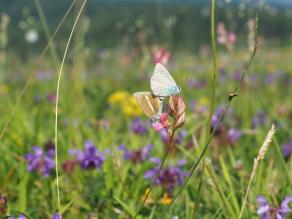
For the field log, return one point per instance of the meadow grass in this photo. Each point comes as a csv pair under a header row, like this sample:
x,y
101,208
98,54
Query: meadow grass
x,y
80,110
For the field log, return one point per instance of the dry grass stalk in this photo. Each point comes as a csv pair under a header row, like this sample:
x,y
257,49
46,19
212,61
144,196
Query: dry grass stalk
x,y
261,155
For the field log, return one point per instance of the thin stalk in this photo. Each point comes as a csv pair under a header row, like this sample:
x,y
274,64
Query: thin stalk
x,y
30,77
198,191
214,76
46,30
56,108
220,192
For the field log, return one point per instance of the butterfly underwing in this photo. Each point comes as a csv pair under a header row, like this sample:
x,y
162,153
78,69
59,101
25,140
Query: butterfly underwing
x,y
162,84
150,104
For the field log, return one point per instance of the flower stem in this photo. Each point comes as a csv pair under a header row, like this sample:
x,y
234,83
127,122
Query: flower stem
x,y
168,149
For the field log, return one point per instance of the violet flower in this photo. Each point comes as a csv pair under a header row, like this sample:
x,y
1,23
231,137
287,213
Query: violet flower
x,y
287,149
44,75
215,118
272,78
259,119
199,84
139,127
198,109
56,216
51,97
136,156
234,134
266,211
41,161
236,76
21,216
90,158
178,139
169,177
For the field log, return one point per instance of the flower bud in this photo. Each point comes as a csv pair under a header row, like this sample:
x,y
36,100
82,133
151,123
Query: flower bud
x,y
177,110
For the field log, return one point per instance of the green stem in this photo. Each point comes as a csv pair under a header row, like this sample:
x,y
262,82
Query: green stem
x,y
214,76
47,31
198,191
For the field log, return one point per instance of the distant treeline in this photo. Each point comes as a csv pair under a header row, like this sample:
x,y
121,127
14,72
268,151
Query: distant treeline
x,y
110,24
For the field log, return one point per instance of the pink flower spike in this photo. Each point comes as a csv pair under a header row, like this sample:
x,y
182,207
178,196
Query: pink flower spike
x,y
157,126
163,119
231,37
161,56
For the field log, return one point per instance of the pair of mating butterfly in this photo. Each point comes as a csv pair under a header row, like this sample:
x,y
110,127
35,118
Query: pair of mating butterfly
x,y
162,86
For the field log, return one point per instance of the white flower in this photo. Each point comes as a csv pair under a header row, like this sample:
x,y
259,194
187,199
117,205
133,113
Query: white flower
x,y
31,36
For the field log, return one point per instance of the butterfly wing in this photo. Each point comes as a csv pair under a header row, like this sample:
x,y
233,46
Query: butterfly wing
x,y
148,103
161,82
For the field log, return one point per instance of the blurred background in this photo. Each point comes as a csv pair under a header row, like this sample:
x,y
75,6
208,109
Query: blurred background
x,y
182,25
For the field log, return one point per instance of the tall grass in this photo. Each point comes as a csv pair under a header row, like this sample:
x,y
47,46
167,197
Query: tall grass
x,y
56,106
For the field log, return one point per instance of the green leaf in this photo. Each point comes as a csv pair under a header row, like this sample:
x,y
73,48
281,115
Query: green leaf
x,y
125,206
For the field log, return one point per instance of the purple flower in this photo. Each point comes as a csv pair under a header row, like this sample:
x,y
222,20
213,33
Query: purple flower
x,y
234,134
177,140
169,177
266,211
37,98
164,135
139,127
236,76
215,118
259,119
136,156
254,80
271,78
51,97
180,137
21,216
56,216
44,75
199,84
287,149
90,158
197,108
41,161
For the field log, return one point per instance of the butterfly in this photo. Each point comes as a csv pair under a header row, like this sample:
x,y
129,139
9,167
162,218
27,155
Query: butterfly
x,y
150,104
162,84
